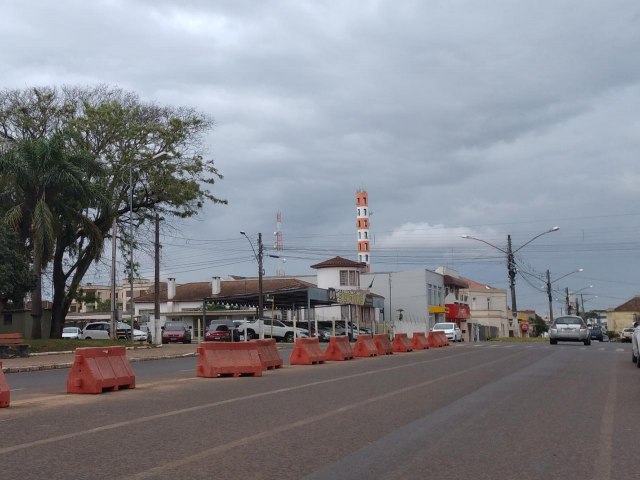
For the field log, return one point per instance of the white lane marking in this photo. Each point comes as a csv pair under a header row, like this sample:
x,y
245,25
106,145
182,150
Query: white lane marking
x,y
619,349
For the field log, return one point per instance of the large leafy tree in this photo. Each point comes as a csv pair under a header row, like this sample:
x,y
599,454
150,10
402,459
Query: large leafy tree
x,y
16,279
159,147
48,191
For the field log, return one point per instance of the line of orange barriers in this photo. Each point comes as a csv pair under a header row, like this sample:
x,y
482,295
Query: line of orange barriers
x,y
97,369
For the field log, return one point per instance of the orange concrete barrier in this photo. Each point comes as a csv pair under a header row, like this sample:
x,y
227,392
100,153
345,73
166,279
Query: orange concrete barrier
x,y
365,347
96,369
443,339
268,353
339,348
5,392
383,344
307,351
401,343
228,358
434,340
419,341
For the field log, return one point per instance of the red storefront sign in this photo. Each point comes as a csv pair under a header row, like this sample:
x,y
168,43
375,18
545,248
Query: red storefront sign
x,y
457,312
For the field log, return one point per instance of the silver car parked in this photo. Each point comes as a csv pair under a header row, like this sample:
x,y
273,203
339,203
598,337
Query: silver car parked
x,y
569,328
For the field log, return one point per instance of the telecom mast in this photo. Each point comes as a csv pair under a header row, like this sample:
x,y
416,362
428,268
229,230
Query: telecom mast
x,y
278,245
362,224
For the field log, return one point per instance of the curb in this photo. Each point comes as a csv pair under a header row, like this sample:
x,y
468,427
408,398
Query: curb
x,y
56,366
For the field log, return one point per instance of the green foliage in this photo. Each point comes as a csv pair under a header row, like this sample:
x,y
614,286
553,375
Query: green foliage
x,y
540,326
16,278
149,155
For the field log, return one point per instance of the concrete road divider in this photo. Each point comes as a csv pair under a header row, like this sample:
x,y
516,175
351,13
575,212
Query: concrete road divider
x,y
268,353
443,339
365,347
97,369
224,358
419,341
5,392
435,340
307,351
338,349
401,343
383,344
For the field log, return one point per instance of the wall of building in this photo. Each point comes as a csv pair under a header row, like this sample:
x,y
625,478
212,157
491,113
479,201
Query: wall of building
x,y
489,307
413,292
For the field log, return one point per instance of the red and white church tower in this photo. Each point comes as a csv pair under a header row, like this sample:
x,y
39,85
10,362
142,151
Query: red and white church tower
x,y
362,224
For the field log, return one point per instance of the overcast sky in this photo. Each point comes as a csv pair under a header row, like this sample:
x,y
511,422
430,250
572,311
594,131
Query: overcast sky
x,y
458,117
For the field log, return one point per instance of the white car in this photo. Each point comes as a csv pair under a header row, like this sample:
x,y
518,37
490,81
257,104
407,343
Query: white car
x,y
450,330
626,334
71,332
100,331
635,346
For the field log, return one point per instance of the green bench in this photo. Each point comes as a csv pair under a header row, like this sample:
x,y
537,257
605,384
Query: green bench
x,y
12,345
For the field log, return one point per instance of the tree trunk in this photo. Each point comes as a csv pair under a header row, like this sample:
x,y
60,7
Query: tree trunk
x,y
62,295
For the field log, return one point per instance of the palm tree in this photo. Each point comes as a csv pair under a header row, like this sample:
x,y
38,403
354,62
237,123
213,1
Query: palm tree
x,y
47,194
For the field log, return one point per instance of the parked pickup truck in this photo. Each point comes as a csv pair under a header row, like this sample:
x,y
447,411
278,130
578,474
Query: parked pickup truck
x,y
272,329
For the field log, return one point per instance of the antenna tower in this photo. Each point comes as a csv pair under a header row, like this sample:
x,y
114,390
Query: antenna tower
x,y
278,245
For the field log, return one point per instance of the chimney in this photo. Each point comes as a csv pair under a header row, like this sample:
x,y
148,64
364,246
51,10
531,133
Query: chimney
x,y
215,285
171,288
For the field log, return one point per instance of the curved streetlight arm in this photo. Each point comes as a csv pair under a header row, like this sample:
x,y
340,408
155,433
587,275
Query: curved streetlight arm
x,y
567,274
250,243
554,229
582,289
484,241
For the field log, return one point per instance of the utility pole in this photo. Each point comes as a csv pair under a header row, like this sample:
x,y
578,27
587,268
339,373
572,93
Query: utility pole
x,y
549,295
260,287
114,300
568,303
156,285
511,266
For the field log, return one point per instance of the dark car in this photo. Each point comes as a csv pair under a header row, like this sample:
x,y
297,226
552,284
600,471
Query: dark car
x,y
597,333
222,332
176,332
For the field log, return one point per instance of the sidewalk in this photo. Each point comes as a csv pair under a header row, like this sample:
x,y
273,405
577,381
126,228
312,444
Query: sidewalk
x,y
50,361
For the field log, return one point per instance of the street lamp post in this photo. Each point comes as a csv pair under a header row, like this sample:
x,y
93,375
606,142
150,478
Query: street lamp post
x,y
549,282
259,256
512,270
575,296
157,156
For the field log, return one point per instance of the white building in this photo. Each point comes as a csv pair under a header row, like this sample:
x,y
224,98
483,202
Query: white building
x,y
413,300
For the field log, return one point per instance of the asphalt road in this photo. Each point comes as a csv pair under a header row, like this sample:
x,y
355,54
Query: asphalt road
x,y
492,411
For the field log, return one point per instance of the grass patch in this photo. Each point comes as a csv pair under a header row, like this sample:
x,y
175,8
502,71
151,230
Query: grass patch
x,y
520,339
65,345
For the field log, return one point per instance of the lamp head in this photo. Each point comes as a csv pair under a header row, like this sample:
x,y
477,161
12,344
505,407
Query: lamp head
x,y
243,233
554,229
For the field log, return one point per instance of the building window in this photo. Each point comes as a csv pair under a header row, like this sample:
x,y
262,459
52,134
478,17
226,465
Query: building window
x,y
8,318
344,277
488,303
352,278
365,212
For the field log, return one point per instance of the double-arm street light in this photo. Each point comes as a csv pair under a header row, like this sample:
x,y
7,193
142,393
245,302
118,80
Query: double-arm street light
x,y
512,270
575,296
549,282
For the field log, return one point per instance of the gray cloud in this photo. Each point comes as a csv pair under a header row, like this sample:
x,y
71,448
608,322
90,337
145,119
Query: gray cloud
x,y
496,118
